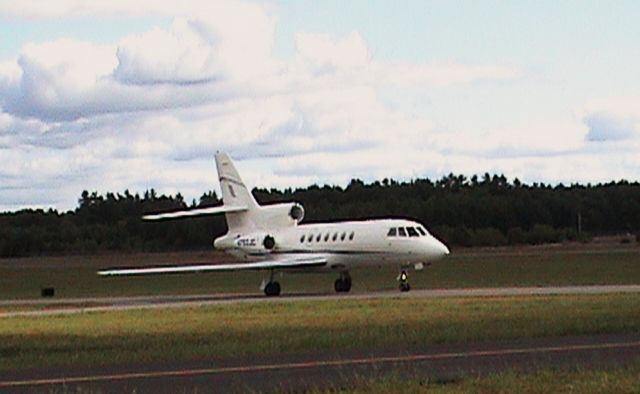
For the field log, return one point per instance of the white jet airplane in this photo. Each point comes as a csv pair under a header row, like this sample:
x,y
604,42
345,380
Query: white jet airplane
x,y
270,238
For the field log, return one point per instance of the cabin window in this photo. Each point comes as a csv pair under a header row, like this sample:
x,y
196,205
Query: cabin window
x,y
351,236
310,238
401,232
392,232
302,239
326,237
318,237
421,231
412,232
343,236
335,237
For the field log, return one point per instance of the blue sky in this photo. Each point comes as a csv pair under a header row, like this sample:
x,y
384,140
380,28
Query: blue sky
x,y
113,95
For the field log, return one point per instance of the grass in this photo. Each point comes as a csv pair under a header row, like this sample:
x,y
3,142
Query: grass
x,y
611,380
247,329
544,266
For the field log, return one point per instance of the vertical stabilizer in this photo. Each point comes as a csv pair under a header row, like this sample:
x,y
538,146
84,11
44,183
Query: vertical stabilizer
x,y
235,193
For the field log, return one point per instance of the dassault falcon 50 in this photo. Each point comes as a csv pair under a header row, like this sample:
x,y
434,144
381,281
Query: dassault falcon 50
x,y
271,238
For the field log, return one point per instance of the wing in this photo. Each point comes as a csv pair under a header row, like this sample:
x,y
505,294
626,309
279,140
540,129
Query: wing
x,y
194,212
297,262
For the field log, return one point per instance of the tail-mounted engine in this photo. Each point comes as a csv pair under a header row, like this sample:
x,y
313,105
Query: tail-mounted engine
x,y
269,242
256,243
296,212
281,215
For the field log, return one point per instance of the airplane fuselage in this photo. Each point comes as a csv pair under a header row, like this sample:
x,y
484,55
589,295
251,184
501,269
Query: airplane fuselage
x,y
343,244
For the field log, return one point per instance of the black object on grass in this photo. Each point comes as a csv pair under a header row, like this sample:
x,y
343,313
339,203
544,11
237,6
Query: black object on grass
x,y
47,292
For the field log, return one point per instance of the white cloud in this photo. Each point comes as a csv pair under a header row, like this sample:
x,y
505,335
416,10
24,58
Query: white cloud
x,y
613,119
10,72
605,128
324,53
215,55
67,80
219,56
231,45
179,55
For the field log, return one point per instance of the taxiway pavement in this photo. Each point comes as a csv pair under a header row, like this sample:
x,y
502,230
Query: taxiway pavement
x,y
41,307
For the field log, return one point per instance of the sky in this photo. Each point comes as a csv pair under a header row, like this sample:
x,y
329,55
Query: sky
x,y
120,94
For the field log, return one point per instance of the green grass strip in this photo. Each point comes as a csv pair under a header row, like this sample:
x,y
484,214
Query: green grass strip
x,y
584,381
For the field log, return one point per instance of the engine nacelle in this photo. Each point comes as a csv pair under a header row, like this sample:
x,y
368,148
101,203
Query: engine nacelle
x,y
258,243
296,212
281,215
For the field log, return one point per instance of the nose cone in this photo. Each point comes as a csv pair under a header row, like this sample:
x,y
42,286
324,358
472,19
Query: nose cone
x,y
444,251
435,249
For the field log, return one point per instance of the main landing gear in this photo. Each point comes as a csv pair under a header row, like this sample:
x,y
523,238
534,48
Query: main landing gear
x,y
271,288
403,281
343,283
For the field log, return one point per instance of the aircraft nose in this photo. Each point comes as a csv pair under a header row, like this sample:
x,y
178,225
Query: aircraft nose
x,y
443,249
440,250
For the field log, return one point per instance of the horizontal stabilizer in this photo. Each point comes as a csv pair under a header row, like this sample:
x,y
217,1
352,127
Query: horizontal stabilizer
x,y
302,262
194,212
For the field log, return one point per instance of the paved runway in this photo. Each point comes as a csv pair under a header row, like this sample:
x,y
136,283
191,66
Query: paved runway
x,y
445,362
35,307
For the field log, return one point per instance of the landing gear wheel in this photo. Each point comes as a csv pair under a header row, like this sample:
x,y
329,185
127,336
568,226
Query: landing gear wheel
x,y
272,289
403,278
343,283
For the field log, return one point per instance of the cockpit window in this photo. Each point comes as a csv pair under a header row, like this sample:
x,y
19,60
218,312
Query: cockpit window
x,y
402,232
392,232
412,232
421,231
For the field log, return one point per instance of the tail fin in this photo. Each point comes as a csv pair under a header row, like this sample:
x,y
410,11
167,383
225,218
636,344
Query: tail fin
x,y
235,193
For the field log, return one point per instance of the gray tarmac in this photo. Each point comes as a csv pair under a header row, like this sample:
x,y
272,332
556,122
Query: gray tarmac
x,y
298,372
43,307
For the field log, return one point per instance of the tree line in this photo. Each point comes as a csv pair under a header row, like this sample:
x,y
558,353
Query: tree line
x,y
478,211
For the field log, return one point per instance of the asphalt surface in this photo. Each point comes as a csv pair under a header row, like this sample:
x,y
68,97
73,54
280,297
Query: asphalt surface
x,y
36,307
441,363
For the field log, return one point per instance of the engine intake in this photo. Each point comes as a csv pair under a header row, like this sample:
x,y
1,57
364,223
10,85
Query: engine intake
x,y
297,213
269,242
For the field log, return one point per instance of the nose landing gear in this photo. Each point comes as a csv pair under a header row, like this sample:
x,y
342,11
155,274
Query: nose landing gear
x,y
343,283
403,281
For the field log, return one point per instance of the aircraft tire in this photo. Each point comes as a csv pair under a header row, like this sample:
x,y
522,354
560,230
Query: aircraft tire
x,y
272,289
404,287
342,285
346,282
